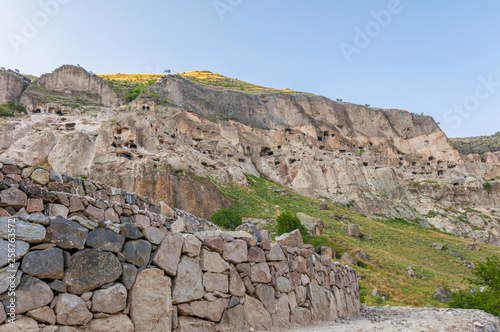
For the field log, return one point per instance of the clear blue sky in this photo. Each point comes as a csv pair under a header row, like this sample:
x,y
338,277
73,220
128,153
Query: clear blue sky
x,y
426,57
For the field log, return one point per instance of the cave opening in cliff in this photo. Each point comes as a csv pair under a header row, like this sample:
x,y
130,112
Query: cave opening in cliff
x,y
131,145
125,155
265,151
327,133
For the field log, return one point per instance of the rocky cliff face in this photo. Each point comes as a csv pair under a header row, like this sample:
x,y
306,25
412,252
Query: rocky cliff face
x,y
12,86
117,149
382,163
70,86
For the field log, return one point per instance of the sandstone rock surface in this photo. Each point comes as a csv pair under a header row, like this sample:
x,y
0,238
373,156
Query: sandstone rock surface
x,y
151,302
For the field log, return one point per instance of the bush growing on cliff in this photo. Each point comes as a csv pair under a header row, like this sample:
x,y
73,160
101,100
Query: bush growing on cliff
x,y
488,275
133,95
487,186
11,109
288,222
226,218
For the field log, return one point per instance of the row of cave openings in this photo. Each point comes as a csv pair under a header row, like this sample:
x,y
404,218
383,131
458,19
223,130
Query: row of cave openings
x,y
50,111
119,142
267,151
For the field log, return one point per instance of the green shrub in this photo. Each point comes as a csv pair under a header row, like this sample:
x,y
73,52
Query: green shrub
x,y
11,109
6,112
486,274
133,95
226,218
487,301
287,222
362,295
19,108
487,186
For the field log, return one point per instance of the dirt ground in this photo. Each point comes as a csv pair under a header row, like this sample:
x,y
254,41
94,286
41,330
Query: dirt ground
x,y
406,319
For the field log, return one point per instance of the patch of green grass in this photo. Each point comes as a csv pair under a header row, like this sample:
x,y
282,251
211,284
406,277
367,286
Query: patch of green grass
x,y
31,77
128,89
10,109
226,218
431,214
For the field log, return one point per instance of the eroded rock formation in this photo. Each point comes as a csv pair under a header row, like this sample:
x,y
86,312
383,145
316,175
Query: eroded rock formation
x,y
66,88
382,163
12,85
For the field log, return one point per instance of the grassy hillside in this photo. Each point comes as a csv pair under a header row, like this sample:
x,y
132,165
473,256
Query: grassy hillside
x,y
31,77
137,78
480,144
397,244
126,82
219,82
130,85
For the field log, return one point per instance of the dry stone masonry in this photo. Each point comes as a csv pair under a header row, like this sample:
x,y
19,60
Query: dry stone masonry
x,y
94,258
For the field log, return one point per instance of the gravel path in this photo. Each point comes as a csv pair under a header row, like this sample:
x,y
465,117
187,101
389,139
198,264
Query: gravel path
x,y
410,319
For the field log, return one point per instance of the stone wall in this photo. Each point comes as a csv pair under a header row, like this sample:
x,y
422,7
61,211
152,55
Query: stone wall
x,y
94,258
